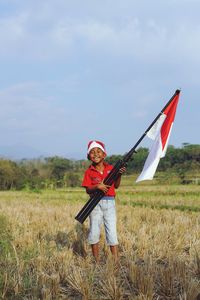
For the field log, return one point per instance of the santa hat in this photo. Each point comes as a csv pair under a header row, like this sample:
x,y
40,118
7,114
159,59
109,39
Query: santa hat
x,y
96,144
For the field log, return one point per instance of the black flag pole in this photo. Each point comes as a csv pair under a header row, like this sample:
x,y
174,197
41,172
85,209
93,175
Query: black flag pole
x,y
113,175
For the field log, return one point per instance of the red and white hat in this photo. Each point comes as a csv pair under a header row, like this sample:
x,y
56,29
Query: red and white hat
x,y
96,144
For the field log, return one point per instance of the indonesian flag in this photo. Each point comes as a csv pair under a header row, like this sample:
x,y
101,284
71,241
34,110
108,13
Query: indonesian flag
x,y
160,132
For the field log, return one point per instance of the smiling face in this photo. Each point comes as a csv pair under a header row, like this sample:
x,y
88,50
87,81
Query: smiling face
x,y
96,155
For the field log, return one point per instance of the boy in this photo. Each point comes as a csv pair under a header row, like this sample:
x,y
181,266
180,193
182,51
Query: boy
x,y
105,210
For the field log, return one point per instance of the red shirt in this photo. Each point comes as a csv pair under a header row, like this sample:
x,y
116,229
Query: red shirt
x,y
92,177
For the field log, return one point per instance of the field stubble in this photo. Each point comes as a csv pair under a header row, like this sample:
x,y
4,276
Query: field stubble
x,y
45,255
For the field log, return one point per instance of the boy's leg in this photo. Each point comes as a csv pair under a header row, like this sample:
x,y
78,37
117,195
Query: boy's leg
x,y
110,227
96,218
114,251
95,251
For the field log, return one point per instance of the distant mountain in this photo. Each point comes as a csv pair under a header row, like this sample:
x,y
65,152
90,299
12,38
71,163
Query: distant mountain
x,y
17,152
74,155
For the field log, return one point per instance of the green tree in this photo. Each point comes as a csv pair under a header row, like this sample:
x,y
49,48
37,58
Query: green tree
x,y
10,175
58,166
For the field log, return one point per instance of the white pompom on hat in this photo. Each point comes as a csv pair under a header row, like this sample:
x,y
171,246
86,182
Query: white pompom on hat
x,y
96,144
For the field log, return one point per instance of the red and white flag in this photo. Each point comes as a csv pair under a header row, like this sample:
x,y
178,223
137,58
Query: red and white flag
x,y
160,132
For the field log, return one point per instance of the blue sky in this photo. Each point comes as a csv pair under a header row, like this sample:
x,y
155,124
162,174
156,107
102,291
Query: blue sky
x,y
72,71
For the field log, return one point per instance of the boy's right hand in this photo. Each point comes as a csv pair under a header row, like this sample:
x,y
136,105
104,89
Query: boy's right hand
x,y
103,187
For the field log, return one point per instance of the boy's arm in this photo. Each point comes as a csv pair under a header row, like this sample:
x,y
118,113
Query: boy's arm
x,y
118,180
101,186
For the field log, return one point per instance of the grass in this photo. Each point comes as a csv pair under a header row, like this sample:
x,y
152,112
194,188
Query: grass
x,y
46,254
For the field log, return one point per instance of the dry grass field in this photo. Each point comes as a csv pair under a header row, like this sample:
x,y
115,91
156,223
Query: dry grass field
x,y
44,252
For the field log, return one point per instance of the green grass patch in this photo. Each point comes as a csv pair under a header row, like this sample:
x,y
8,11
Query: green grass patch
x,y
5,237
162,206
5,246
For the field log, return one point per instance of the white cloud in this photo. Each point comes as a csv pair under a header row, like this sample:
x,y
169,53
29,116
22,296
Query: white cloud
x,y
26,112
49,31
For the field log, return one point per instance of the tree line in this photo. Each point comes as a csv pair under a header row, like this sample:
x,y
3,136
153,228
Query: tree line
x,y
59,172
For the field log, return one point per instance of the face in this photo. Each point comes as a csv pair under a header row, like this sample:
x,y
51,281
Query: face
x,y
96,155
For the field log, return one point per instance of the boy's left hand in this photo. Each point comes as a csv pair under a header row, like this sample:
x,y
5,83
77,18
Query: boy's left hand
x,y
122,170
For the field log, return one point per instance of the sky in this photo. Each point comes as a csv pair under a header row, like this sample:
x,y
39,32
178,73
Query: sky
x,y
74,71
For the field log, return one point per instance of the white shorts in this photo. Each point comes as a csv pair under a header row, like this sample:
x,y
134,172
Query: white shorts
x,y
105,213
